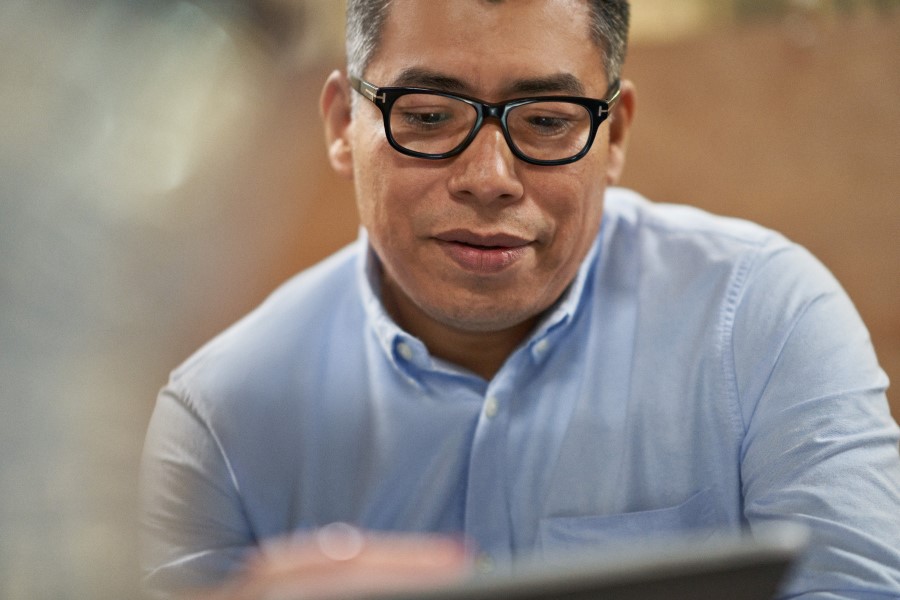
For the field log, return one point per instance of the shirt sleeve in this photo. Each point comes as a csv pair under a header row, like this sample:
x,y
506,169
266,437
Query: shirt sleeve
x,y
820,445
193,528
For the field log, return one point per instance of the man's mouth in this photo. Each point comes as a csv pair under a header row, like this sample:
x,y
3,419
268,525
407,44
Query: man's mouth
x,y
483,253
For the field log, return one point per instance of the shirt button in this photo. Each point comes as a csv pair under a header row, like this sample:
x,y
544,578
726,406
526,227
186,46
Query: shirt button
x,y
484,563
405,351
490,407
541,347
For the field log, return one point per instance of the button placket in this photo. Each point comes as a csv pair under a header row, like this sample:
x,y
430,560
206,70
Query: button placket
x,y
487,502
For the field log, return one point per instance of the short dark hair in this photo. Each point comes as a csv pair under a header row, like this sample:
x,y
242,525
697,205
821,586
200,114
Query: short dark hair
x,y
609,31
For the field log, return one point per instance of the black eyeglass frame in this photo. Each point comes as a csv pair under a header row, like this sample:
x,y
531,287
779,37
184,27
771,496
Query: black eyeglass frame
x,y
385,97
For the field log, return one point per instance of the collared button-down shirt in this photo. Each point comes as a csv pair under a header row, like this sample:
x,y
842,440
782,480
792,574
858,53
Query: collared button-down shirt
x,y
698,373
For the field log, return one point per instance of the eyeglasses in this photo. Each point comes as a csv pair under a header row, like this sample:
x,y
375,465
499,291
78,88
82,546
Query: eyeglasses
x,y
545,130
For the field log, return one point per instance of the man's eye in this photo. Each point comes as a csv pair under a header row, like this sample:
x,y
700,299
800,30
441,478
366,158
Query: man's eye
x,y
548,124
549,119
425,118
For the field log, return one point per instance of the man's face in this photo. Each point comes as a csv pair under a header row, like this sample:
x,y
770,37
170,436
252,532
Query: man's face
x,y
482,241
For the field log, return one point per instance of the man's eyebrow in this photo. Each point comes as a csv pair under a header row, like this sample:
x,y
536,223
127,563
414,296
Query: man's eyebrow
x,y
564,83
417,77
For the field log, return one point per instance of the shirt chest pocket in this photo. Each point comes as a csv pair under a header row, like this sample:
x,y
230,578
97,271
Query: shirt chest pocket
x,y
565,534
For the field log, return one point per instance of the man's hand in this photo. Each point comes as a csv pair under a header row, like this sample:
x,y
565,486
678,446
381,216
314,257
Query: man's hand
x,y
340,561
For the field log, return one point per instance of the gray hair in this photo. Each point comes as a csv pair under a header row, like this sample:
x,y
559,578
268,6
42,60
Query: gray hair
x,y
609,31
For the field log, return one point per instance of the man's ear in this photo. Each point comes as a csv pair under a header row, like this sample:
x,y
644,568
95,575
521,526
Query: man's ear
x,y
334,106
619,128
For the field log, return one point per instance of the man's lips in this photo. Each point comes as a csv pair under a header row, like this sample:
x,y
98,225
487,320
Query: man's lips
x,y
489,240
483,253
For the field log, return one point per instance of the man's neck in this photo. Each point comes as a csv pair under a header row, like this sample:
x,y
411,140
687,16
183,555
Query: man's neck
x,y
482,352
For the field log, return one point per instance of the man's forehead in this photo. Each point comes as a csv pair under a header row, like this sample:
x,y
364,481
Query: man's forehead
x,y
509,49
460,18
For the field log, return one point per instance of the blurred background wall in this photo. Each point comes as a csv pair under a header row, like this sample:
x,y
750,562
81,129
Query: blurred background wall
x,y
162,170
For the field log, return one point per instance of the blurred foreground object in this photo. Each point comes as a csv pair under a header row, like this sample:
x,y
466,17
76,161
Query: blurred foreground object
x,y
128,129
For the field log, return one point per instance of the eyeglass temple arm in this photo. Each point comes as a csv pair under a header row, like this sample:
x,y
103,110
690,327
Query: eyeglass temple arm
x,y
616,88
365,88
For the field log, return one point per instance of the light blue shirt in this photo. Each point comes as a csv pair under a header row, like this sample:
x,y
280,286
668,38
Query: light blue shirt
x,y
699,373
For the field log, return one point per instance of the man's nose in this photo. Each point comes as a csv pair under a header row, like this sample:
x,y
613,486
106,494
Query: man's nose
x,y
486,170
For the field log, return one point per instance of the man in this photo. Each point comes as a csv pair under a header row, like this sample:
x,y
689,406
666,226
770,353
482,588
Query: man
x,y
514,350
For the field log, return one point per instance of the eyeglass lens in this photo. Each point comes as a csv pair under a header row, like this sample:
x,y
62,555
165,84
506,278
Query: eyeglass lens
x,y
544,130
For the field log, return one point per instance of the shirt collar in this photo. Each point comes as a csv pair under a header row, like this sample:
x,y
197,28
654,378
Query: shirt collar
x,y
567,306
389,335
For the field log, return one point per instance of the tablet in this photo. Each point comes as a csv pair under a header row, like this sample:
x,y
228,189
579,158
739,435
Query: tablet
x,y
737,567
